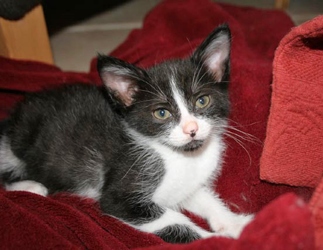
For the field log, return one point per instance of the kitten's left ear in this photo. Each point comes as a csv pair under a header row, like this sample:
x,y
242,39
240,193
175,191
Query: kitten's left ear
x,y
214,52
120,78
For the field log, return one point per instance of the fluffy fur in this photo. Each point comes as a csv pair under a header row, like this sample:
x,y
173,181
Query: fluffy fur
x,y
146,145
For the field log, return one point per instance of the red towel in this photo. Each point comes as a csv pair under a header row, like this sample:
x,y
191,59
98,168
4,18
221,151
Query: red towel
x,y
172,29
316,206
293,147
29,221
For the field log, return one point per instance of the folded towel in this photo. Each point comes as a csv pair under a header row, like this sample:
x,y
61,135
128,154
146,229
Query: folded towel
x,y
293,147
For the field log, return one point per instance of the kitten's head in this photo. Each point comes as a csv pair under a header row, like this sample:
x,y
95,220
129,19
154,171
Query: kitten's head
x,y
179,103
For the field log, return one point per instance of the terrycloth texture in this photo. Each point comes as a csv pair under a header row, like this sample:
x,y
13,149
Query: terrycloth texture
x,y
171,30
29,221
293,147
19,77
316,206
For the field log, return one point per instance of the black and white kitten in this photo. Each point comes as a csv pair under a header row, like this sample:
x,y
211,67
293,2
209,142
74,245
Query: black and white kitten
x,y
146,145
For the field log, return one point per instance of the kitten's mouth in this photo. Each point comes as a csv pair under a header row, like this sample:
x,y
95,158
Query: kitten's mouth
x,y
192,146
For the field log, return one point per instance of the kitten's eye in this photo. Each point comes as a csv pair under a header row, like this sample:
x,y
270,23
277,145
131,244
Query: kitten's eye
x,y
202,101
162,114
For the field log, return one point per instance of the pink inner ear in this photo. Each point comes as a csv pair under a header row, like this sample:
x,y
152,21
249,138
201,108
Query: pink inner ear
x,y
217,55
121,86
215,65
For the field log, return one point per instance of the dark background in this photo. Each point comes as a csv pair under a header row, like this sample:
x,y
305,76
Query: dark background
x,y
61,13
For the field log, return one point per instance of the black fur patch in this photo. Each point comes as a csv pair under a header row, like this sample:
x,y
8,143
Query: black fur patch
x,y
178,234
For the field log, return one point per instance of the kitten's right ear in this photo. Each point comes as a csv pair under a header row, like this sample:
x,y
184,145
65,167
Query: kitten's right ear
x,y
120,78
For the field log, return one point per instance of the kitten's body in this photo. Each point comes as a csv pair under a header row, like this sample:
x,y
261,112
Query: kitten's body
x,y
148,147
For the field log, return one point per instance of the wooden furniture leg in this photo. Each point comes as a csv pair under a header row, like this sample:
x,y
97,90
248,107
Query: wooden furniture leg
x,y
26,38
281,4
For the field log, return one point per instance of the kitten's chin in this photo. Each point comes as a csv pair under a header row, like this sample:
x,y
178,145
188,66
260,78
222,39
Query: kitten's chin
x,y
191,146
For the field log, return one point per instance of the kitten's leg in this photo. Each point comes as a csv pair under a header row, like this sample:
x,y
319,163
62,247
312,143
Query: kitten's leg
x,y
210,207
147,216
174,227
29,186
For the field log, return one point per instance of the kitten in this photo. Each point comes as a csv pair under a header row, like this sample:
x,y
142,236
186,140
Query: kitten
x,y
146,145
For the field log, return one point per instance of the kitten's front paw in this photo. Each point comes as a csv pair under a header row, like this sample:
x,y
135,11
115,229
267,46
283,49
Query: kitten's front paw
x,y
233,227
28,186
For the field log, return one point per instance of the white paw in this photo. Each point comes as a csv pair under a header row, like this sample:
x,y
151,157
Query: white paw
x,y
207,234
28,186
233,226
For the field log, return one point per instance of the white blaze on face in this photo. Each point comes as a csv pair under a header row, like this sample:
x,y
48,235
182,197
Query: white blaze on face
x,y
190,127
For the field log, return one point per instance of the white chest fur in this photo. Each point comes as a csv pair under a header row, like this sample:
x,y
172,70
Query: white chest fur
x,y
185,173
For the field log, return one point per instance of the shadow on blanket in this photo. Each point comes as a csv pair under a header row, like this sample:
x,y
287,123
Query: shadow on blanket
x,y
173,29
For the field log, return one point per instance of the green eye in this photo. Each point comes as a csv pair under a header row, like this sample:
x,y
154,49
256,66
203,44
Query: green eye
x,y
162,114
202,101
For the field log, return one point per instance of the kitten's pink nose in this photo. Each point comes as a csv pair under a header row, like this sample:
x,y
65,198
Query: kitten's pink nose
x,y
190,128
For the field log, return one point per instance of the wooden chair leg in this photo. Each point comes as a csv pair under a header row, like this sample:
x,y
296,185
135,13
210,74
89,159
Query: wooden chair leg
x,y
281,4
26,38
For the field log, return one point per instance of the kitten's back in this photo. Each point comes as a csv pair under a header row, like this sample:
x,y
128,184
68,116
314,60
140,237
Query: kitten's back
x,y
62,137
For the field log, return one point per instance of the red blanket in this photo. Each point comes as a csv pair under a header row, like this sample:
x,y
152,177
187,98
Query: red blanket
x,y
172,29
